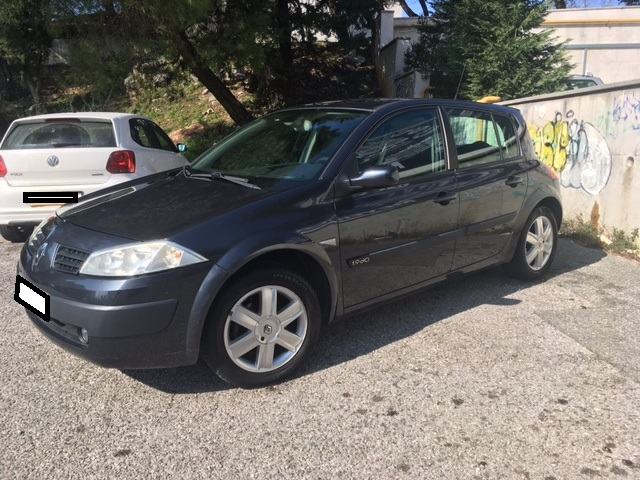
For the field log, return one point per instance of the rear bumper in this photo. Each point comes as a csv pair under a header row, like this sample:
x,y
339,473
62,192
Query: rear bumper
x,y
143,324
14,212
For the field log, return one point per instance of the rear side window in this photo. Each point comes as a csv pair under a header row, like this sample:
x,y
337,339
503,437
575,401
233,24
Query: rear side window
x,y
411,141
150,135
60,134
475,137
507,137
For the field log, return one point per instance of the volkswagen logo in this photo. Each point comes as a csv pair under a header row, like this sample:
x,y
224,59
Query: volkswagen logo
x,y
53,161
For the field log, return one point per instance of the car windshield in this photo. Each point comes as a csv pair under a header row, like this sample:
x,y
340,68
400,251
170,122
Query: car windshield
x,y
292,145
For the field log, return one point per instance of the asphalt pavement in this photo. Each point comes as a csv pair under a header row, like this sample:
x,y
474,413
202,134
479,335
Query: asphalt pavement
x,y
482,378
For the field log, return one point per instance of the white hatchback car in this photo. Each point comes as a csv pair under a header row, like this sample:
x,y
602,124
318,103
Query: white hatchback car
x,y
76,153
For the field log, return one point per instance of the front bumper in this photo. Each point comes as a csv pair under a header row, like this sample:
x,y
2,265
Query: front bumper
x,y
139,322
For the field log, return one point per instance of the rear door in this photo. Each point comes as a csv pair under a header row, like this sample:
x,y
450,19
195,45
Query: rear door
x,y
396,237
58,152
492,178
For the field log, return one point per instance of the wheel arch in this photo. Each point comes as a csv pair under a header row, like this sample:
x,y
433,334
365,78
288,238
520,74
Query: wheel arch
x,y
299,261
307,259
553,204
543,197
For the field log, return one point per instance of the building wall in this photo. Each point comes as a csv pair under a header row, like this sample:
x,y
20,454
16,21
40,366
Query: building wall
x,y
604,42
395,38
591,137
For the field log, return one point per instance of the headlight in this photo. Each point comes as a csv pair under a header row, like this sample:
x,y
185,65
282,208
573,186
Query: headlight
x,y
37,235
139,258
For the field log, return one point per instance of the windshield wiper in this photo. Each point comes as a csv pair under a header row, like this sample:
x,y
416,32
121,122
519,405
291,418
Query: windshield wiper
x,y
215,175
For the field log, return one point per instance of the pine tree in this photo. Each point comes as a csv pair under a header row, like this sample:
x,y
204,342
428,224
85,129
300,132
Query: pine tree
x,y
489,47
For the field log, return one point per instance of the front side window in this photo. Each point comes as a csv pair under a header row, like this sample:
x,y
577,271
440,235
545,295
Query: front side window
x,y
411,141
291,145
60,133
475,137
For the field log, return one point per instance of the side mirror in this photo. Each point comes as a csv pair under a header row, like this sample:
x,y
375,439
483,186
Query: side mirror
x,y
181,147
377,177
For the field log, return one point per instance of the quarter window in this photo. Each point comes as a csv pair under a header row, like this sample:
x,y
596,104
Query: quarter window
x,y
164,142
507,137
150,135
475,137
140,133
411,141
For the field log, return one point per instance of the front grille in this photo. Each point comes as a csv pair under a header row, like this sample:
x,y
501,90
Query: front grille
x,y
69,260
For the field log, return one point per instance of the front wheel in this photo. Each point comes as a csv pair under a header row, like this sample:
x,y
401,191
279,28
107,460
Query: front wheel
x,y
262,328
15,234
537,246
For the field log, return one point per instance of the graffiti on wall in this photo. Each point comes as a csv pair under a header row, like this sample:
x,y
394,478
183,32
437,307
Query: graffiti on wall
x,y
626,111
576,150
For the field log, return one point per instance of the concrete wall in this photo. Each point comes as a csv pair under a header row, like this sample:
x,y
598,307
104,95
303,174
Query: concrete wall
x,y
604,42
591,137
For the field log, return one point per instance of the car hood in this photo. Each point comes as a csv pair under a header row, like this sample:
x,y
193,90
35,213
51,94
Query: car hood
x,y
160,206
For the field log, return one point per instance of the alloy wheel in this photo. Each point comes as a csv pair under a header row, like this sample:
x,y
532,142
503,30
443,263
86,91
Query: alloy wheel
x,y
265,329
539,243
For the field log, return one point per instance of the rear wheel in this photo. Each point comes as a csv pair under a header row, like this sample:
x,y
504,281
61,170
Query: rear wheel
x,y
15,234
262,328
537,246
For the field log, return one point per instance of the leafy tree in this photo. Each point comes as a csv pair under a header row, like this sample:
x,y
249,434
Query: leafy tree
x,y
208,36
488,47
25,40
190,27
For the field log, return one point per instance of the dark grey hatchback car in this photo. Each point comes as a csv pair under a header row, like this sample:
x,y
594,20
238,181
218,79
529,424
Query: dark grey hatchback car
x,y
297,219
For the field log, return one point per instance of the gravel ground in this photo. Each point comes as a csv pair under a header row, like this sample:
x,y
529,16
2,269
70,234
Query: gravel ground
x,y
482,378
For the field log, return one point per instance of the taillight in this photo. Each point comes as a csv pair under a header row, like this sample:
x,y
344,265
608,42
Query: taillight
x,y
122,161
3,168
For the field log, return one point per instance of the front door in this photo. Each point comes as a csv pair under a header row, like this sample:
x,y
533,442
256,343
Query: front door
x,y
492,178
396,237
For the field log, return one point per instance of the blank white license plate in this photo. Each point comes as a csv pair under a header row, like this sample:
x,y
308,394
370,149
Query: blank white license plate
x,y
32,298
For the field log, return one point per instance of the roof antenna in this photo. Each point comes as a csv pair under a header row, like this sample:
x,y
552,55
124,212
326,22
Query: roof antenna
x,y
464,66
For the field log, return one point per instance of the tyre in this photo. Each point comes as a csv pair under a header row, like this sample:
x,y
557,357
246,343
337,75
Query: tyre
x,y
261,328
537,246
15,234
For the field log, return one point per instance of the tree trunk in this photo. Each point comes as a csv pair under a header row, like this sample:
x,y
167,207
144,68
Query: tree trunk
x,y
33,84
214,84
425,8
407,9
375,37
284,34
284,66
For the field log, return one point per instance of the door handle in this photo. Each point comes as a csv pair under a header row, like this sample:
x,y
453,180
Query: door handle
x,y
514,181
445,198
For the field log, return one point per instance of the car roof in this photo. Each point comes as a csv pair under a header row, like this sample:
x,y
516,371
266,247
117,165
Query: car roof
x,y
375,104
82,115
